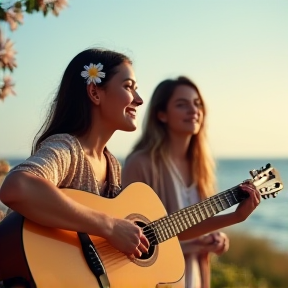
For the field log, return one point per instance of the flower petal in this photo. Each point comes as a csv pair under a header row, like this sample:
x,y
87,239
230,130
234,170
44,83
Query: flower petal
x,y
101,74
99,66
84,74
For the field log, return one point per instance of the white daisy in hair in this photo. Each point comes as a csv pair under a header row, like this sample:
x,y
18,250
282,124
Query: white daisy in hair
x,y
93,73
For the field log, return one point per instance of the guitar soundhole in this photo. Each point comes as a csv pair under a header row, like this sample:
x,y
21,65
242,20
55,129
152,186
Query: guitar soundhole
x,y
149,258
151,249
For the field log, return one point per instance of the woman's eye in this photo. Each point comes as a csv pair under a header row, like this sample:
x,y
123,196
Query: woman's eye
x,y
199,104
181,105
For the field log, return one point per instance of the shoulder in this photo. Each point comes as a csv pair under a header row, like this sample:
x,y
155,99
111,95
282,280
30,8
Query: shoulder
x,y
139,157
61,142
63,137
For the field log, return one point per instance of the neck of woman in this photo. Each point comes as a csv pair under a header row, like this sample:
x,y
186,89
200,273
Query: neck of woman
x,y
178,146
94,142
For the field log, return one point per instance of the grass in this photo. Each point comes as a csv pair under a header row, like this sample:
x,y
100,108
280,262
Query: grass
x,y
250,262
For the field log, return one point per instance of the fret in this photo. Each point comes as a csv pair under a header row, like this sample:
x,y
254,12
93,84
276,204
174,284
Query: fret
x,y
200,214
192,216
228,200
192,219
158,234
171,224
178,219
167,227
195,213
221,203
188,218
181,219
210,209
211,206
206,210
202,208
215,204
176,226
184,224
233,197
171,227
177,222
164,232
236,200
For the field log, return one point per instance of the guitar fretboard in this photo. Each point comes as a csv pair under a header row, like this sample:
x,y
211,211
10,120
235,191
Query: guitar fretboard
x,y
177,222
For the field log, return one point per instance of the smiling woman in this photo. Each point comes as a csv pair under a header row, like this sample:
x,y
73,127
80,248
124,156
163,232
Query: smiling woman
x,y
96,97
176,163
70,152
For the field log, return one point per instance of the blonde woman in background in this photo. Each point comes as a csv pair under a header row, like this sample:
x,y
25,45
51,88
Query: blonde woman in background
x,y
172,157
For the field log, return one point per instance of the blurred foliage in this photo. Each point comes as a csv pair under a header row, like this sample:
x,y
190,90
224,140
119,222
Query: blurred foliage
x,y
31,6
12,13
250,262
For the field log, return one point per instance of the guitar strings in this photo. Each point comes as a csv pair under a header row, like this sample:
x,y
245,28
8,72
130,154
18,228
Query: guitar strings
x,y
160,226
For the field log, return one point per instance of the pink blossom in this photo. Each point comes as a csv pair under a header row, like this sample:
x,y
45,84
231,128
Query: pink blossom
x,y
7,53
55,5
7,88
14,16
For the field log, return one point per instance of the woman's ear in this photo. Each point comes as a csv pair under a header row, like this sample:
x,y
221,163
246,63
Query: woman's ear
x,y
94,93
162,116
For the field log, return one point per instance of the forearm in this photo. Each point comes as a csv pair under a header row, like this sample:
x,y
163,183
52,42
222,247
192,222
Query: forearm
x,y
209,225
40,201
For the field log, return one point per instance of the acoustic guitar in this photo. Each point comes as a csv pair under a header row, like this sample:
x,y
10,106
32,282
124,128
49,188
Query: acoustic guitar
x,y
45,257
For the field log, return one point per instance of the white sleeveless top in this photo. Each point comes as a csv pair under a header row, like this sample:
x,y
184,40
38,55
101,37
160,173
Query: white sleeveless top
x,y
186,196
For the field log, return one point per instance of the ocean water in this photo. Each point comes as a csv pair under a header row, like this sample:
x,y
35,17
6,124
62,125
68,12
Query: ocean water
x,y
270,220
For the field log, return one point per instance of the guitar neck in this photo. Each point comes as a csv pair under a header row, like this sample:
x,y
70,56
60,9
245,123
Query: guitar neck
x,y
177,222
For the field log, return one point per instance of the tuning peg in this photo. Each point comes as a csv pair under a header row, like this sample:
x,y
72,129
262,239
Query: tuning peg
x,y
263,196
268,165
253,173
274,194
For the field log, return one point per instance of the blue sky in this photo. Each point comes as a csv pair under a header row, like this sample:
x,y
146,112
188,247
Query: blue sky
x,y
235,51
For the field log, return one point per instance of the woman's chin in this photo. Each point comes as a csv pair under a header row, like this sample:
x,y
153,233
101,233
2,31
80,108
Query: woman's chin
x,y
130,128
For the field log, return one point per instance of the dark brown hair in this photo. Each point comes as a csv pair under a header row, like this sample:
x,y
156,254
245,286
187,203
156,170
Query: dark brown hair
x,y
70,111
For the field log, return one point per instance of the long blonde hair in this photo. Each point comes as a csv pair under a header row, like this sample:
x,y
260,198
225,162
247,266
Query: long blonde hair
x,y
154,139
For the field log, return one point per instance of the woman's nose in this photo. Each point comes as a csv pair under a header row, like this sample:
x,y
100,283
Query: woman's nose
x,y
193,109
137,99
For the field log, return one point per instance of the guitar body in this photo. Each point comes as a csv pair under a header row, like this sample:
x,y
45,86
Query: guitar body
x,y
47,257
55,259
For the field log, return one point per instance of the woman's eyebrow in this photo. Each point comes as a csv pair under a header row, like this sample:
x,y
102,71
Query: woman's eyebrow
x,y
127,79
181,99
133,82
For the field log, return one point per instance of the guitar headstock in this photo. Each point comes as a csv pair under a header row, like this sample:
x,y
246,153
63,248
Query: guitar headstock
x,y
267,181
